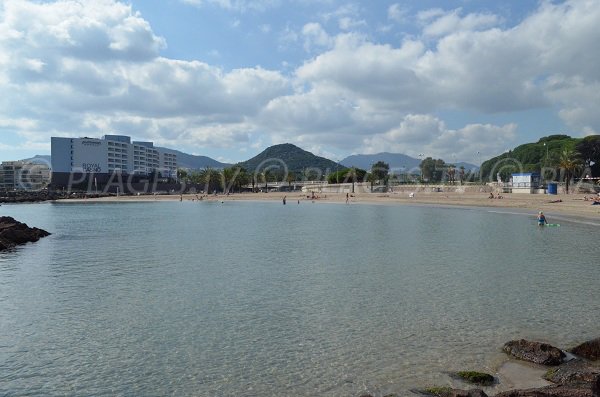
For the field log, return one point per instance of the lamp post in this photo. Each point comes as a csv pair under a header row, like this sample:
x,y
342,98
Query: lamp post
x,y
479,159
545,161
421,155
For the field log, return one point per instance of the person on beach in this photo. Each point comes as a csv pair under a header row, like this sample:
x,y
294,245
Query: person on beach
x,y
541,219
347,197
284,199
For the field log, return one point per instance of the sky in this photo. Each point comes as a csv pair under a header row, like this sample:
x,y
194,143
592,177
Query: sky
x,y
461,80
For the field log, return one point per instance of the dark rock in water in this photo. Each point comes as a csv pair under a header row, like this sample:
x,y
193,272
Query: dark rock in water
x,y
569,390
573,371
14,233
467,393
535,352
449,392
589,349
478,378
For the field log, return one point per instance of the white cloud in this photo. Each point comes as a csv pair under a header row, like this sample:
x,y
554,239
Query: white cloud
x,y
347,23
396,13
98,70
315,37
452,22
237,5
429,135
86,67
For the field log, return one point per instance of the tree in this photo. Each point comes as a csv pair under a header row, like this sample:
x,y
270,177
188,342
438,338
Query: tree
x,y
371,178
228,178
354,174
242,179
569,162
589,149
182,174
432,169
380,171
337,177
210,178
291,176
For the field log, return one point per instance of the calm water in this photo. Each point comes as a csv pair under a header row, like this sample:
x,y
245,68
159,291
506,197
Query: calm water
x,y
255,299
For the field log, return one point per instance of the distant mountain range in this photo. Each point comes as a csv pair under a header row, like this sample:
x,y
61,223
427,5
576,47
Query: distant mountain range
x,y
296,160
194,162
397,161
39,159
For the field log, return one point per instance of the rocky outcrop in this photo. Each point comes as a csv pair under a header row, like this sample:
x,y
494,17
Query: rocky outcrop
x,y
474,377
568,390
30,197
589,349
572,372
449,392
13,233
535,352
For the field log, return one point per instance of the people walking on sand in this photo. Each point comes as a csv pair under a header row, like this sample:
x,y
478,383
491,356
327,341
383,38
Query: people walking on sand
x,y
347,197
541,219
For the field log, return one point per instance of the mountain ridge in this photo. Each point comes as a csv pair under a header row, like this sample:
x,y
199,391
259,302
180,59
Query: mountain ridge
x,y
284,156
397,161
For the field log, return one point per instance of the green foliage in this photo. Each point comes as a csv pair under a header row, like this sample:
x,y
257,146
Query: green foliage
x,y
347,175
209,178
529,157
380,171
569,163
589,149
549,375
433,170
479,378
182,174
282,159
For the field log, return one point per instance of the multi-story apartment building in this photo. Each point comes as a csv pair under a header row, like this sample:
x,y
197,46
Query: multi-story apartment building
x,y
23,175
109,155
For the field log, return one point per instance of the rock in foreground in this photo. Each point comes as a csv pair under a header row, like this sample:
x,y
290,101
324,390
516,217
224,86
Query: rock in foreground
x,y
13,233
574,371
569,390
535,352
589,349
449,392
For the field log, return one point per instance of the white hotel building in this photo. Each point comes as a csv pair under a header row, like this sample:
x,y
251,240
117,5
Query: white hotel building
x,y
109,155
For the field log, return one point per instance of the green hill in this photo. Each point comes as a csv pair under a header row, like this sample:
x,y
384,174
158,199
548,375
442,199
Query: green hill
x,y
529,157
277,158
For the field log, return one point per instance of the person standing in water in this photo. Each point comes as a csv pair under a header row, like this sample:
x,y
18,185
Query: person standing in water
x,y
284,200
541,219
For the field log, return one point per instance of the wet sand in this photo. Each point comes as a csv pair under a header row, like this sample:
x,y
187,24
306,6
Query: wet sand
x,y
571,206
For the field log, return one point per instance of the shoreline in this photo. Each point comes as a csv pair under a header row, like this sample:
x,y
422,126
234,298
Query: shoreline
x,y
571,207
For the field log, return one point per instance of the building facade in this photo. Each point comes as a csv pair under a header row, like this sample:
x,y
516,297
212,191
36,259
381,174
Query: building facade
x,y
23,175
529,182
109,155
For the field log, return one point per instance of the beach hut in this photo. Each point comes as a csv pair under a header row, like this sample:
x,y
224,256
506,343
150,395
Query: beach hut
x,y
528,182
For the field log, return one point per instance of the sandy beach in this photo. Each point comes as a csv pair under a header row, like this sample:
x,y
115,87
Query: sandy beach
x,y
562,205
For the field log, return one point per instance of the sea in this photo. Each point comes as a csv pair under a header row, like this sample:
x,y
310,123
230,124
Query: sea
x,y
262,299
